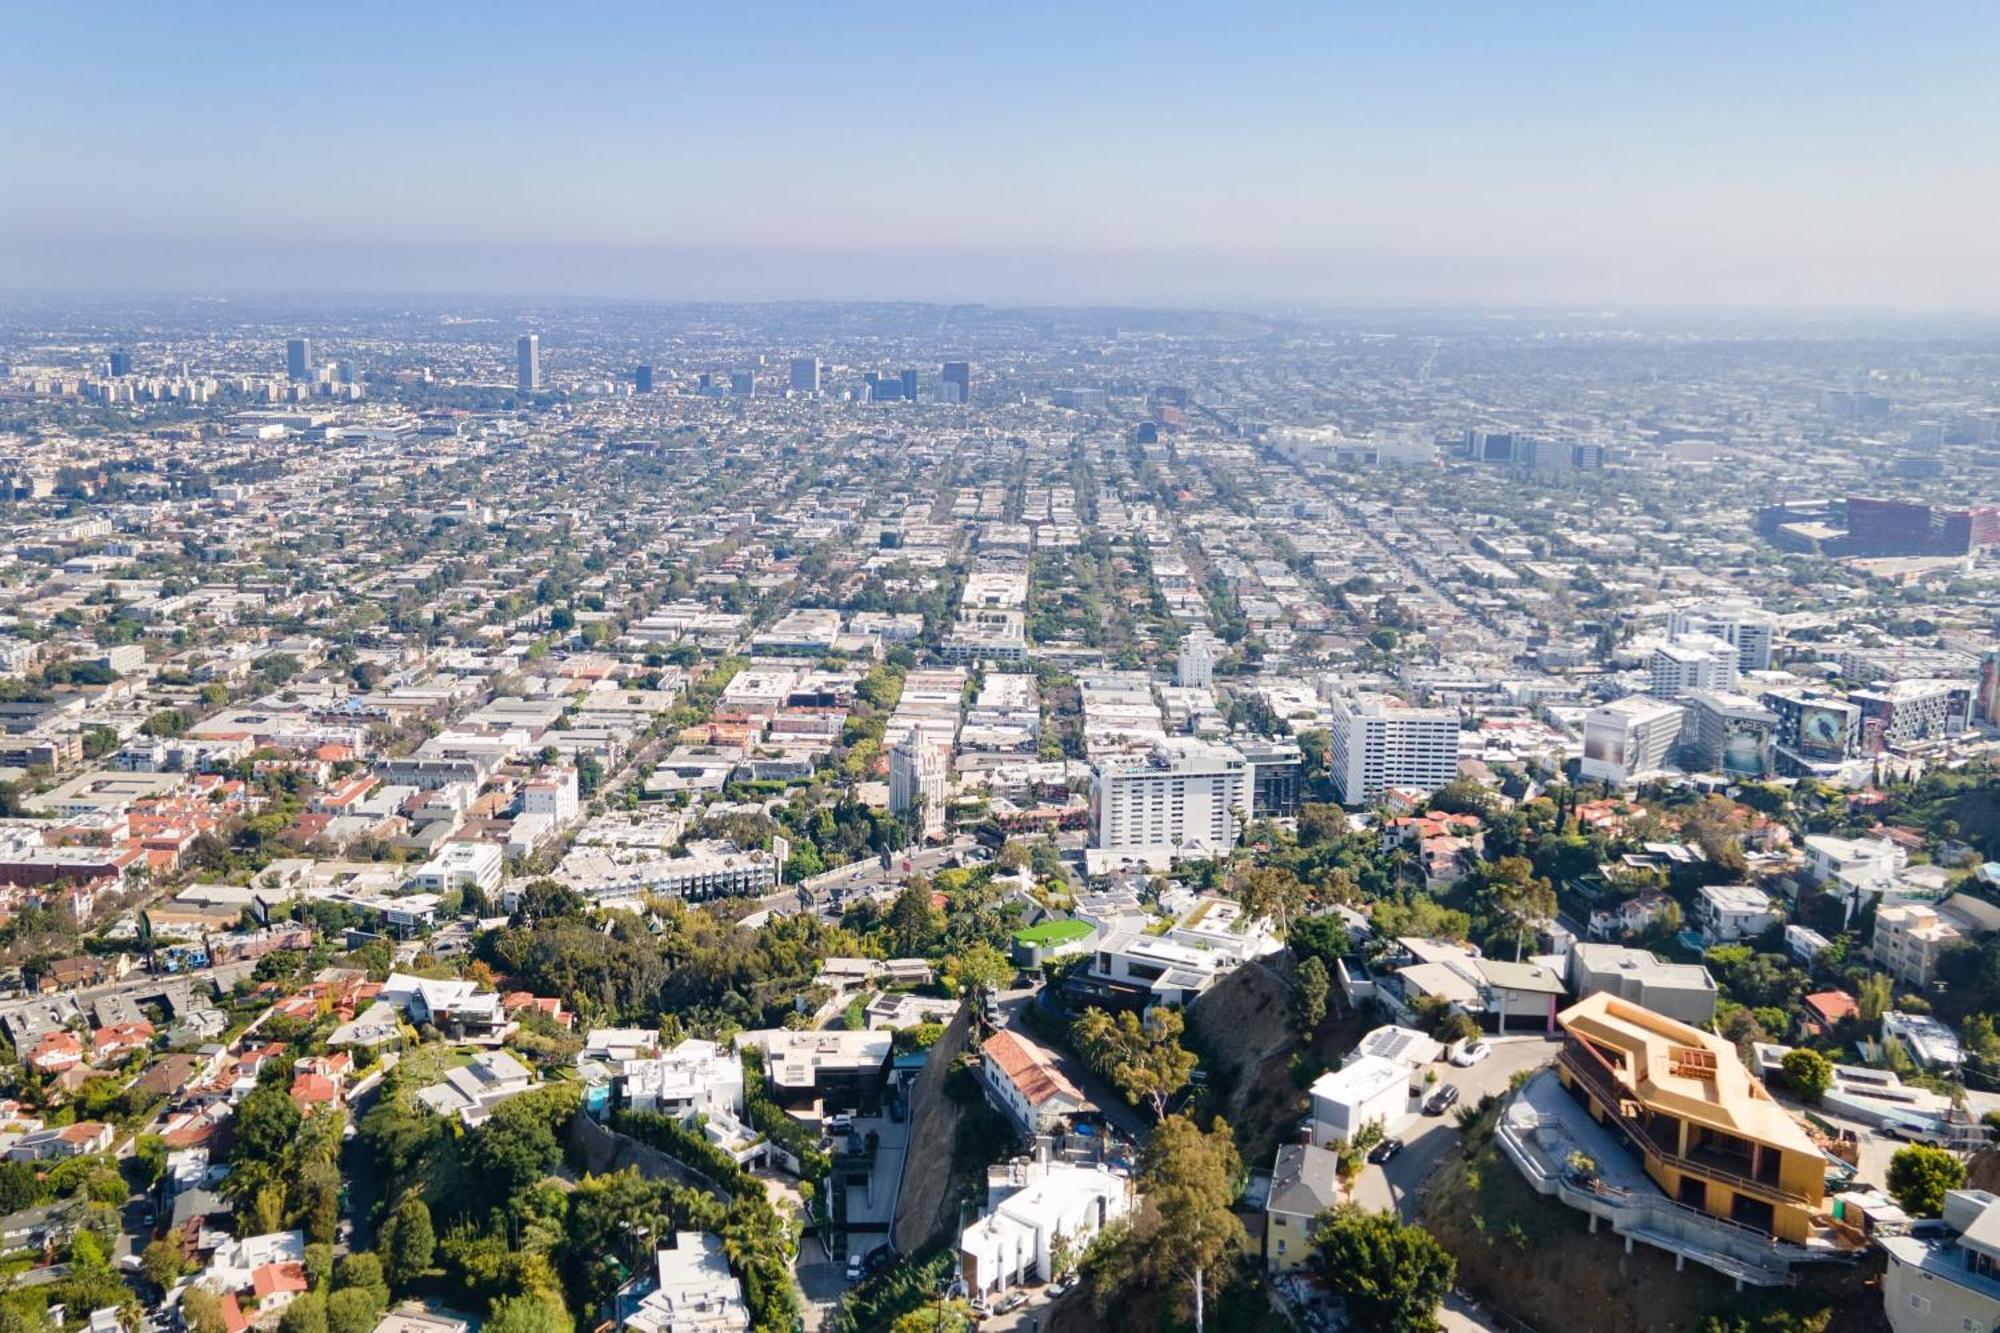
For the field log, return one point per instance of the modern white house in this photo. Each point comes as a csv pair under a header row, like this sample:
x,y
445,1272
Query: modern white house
x,y
1035,1211
1366,1090
694,1293
1728,912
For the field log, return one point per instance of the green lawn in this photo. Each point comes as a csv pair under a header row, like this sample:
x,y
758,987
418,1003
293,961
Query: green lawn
x,y
1052,932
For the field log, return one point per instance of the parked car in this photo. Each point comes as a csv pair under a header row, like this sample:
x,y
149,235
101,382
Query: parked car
x,y
1472,1052
854,1268
840,1124
1441,1101
1013,1300
1385,1150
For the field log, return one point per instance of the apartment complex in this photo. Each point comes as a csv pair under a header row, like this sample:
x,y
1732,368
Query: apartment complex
x,y
1379,743
1711,1137
1186,794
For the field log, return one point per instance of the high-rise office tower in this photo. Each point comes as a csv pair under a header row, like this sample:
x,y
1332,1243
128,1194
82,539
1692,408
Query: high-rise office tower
x,y
528,363
742,384
909,378
299,359
642,379
805,374
121,362
957,379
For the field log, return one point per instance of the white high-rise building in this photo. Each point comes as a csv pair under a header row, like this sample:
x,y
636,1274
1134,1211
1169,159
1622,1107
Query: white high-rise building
x,y
1630,736
1749,629
1380,742
918,767
1195,668
1693,662
1187,795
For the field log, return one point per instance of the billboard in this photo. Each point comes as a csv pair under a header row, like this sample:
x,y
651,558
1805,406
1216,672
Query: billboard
x,y
1604,743
1822,732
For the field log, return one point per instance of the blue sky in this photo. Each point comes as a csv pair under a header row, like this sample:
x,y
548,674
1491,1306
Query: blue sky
x,y
1806,154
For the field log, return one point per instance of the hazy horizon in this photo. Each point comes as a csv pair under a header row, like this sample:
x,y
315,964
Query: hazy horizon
x,y
1795,156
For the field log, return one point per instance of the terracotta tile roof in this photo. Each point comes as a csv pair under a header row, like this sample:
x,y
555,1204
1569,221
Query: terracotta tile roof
x,y
1029,1068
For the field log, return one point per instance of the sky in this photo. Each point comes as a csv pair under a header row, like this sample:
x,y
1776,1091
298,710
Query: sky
x,y
1774,154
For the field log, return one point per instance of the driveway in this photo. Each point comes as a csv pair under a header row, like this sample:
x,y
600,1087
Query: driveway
x,y
1427,1138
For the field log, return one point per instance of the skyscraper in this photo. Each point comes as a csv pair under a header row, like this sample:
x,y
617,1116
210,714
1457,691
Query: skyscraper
x,y
957,379
299,359
121,362
528,363
742,384
805,374
642,379
909,378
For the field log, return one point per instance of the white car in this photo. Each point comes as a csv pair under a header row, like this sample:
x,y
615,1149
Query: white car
x,y
1472,1053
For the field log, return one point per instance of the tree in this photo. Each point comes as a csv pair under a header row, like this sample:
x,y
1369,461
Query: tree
x,y
1309,997
1872,995
1390,1275
1919,1175
948,1316
201,1310
266,1124
1144,1059
1191,1179
537,1311
913,923
353,1310
306,1314
981,969
1270,893
362,1271
409,1241
1808,1072
163,1263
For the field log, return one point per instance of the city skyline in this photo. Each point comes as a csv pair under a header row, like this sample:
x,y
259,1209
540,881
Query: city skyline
x,y
1791,156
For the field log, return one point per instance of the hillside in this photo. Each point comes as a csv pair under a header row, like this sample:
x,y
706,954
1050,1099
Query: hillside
x,y
1242,1029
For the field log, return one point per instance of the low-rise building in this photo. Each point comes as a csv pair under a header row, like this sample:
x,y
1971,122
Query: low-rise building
x,y
1305,1182
1683,991
1364,1091
1034,1212
1024,1081
1729,912
1709,1134
694,1291
1948,1283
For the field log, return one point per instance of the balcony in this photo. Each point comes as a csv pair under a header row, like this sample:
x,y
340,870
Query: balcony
x,y
1629,1115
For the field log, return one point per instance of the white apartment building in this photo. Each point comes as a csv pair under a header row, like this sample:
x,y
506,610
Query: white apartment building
x,y
462,865
1187,795
1380,742
1908,939
918,768
554,795
1748,628
1695,662
1628,737
1195,667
